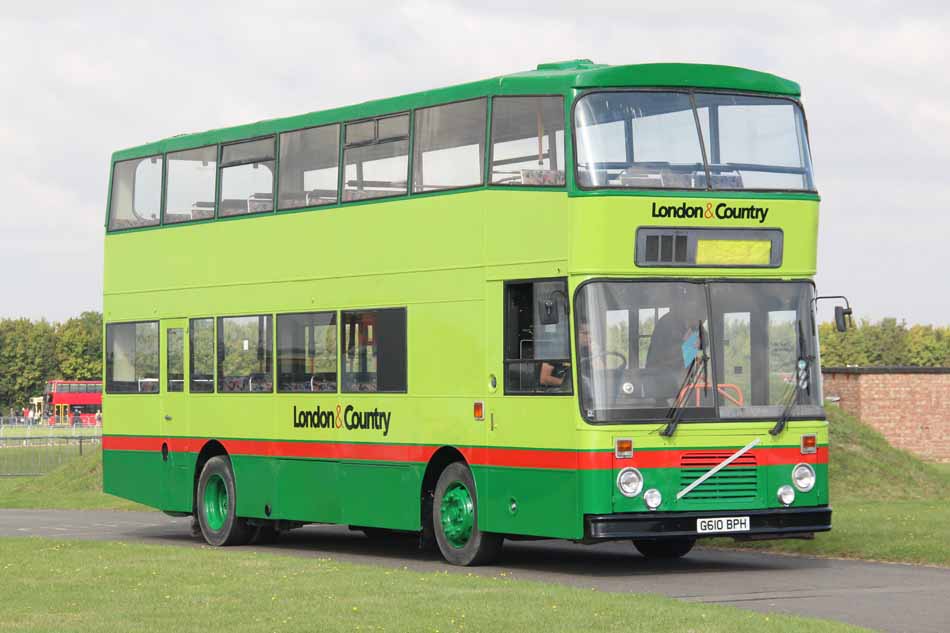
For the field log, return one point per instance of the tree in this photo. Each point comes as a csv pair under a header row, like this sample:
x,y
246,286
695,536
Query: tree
x,y
27,360
79,347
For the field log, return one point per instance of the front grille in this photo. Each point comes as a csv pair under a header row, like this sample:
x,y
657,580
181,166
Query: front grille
x,y
735,482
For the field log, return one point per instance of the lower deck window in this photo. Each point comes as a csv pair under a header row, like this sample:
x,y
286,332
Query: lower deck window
x,y
201,355
132,360
375,350
306,352
244,354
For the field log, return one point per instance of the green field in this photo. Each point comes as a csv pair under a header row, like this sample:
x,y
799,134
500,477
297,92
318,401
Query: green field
x,y
73,486
888,504
82,586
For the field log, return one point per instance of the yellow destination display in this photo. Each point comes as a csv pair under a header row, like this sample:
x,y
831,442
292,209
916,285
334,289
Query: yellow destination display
x,y
734,252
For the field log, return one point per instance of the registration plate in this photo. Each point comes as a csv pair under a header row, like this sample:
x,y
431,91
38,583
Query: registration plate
x,y
722,524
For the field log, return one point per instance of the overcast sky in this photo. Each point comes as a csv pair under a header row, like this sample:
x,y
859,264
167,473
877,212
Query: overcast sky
x,y
81,80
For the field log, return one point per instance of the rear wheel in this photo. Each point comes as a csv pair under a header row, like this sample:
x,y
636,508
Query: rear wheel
x,y
455,519
665,549
216,504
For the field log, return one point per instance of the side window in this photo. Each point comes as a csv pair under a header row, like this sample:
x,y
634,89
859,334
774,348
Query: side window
x,y
132,358
537,338
374,343
189,191
247,178
175,360
376,158
244,354
527,135
306,352
136,193
449,147
309,166
201,355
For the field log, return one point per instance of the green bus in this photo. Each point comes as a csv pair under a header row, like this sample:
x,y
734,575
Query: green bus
x,y
572,303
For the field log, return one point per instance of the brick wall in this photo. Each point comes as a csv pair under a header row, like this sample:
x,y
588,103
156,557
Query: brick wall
x,y
909,406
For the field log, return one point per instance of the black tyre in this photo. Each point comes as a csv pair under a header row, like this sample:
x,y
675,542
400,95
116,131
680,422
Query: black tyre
x,y
216,502
665,549
455,519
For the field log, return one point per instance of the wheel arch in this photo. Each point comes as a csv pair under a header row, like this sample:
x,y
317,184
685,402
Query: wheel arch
x,y
437,463
211,448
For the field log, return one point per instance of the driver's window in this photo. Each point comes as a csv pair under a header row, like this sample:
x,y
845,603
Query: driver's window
x,y
537,338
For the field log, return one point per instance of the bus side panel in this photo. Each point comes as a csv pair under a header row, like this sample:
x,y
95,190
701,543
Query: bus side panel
x,y
134,475
179,494
254,480
529,501
380,495
308,490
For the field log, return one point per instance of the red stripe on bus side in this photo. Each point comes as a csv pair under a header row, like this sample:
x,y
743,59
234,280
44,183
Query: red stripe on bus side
x,y
479,456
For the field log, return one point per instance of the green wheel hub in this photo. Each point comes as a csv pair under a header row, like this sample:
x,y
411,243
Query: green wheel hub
x,y
457,514
216,502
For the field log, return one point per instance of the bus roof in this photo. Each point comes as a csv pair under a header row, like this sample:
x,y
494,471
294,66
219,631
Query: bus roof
x,y
548,78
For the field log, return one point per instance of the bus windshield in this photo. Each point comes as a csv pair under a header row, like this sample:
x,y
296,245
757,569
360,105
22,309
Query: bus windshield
x,y
681,140
636,341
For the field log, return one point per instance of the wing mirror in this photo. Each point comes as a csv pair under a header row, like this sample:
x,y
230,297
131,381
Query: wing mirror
x,y
842,316
842,313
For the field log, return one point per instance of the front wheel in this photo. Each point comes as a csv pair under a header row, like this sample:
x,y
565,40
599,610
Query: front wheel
x,y
216,505
455,519
665,549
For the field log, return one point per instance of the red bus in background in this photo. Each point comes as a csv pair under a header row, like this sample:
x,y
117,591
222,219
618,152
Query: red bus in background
x,y
72,401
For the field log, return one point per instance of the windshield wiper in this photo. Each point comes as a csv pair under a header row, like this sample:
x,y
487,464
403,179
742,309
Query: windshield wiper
x,y
801,383
700,361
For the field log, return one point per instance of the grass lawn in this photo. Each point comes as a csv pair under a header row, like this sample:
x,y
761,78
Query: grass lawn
x,y
943,466
81,586
73,486
888,504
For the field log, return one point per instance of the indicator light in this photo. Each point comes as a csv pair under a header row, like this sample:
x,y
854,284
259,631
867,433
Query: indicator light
x,y
479,410
809,444
623,448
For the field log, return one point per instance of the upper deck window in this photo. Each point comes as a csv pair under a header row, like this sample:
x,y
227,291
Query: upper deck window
x,y
136,193
680,140
247,178
754,142
189,192
527,141
376,158
449,148
309,167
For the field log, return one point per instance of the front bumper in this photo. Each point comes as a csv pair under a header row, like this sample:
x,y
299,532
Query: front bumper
x,y
658,525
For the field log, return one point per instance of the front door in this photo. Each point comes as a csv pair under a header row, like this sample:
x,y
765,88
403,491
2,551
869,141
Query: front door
x,y
176,484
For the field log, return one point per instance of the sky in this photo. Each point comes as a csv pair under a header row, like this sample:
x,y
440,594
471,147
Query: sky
x,y
82,80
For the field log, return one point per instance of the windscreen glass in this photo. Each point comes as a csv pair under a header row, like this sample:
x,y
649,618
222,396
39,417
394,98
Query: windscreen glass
x,y
681,140
715,350
636,345
765,342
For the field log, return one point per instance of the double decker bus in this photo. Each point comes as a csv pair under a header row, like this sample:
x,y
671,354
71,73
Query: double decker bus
x,y
572,303
72,402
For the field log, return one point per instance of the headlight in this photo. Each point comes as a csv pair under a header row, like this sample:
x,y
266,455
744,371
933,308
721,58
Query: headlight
x,y
803,477
786,495
630,482
652,498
